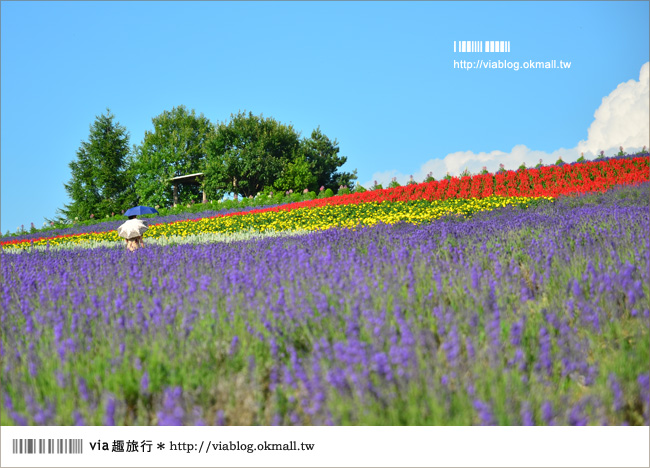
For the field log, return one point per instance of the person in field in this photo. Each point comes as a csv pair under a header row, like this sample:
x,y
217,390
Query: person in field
x,y
134,243
132,231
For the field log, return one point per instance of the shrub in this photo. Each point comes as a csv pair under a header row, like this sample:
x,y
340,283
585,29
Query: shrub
x,y
295,197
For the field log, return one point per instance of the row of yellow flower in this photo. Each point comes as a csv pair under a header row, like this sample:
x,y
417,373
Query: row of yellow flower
x,y
308,219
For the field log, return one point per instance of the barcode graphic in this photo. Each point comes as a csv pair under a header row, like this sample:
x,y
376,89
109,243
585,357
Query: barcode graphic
x,y
71,446
481,46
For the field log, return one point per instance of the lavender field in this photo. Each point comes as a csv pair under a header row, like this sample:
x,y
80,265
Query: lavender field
x,y
514,317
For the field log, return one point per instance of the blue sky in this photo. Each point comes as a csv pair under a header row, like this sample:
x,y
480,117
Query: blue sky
x,y
377,76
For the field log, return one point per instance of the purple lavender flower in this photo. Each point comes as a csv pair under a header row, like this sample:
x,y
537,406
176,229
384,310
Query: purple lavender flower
x,y
516,332
294,418
33,368
83,388
545,362
519,360
43,415
548,414
19,419
576,289
644,390
616,392
644,385
382,366
172,412
485,413
577,416
475,277
198,418
470,348
494,324
526,415
78,418
60,379
234,345
144,383
452,347
525,293
109,416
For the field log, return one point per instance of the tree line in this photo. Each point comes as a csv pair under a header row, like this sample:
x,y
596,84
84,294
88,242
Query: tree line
x,y
244,156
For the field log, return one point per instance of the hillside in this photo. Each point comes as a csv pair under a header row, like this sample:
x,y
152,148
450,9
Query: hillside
x,y
526,305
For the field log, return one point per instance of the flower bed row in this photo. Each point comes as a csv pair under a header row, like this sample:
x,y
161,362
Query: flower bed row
x,y
551,181
306,219
545,182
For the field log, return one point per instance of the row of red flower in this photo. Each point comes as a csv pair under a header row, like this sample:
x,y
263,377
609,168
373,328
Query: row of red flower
x,y
550,181
23,241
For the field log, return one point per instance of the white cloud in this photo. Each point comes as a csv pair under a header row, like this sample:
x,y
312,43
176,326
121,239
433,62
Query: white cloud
x,y
623,119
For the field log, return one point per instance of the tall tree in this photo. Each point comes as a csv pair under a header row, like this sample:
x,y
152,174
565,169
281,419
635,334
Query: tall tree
x,y
296,175
175,147
322,155
248,154
99,183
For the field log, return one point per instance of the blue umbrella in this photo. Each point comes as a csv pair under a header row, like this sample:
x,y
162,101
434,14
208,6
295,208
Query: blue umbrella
x,y
140,210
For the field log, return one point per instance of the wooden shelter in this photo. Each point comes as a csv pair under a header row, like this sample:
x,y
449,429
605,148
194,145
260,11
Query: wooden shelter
x,y
190,178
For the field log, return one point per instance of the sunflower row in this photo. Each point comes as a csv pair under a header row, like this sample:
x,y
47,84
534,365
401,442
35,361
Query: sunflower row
x,y
302,219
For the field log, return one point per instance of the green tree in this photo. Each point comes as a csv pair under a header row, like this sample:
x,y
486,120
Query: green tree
x,y
175,147
297,175
250,153
322,154
100,182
